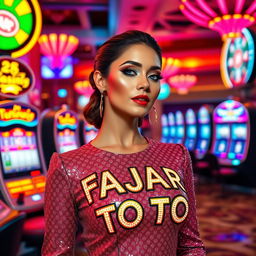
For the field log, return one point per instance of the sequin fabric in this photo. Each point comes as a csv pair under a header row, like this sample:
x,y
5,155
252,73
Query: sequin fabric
x,y
127,204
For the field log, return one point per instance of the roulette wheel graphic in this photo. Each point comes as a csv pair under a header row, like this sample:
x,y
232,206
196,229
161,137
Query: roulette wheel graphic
x,y
238,60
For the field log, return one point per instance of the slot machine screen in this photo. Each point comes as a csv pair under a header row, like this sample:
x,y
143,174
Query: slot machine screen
x,y
221,146
19,151
222,131
238,147
191,132
66,140
165,131
205,131
203,144
239,131
172,131
180,131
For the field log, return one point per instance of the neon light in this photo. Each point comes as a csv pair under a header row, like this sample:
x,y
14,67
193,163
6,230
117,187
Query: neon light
x,y
84,88
17,113
236,162
237,60
164,91
182,83
206,8
68,118
220,20
63,126
21,23
170,66
57,48
62,93
22,122
16,77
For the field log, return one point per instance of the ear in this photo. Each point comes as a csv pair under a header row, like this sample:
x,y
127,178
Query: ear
x,y
100,81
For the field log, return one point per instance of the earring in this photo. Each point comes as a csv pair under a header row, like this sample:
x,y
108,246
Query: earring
x,y
101,104
156,116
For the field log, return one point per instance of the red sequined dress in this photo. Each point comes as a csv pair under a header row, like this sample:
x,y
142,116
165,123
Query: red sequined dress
x,y
127,204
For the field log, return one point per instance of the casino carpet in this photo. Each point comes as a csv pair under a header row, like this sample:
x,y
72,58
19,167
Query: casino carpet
x,y
227,221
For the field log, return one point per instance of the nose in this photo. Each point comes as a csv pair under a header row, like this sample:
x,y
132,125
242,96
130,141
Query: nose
x,y
143,83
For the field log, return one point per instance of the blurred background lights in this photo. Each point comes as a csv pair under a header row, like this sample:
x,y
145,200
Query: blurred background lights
x,y
62,93
164,91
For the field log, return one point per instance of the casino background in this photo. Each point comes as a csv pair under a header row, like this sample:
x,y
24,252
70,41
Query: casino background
x,y
207,102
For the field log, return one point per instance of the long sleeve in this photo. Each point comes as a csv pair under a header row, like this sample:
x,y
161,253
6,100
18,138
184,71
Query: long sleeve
x,y
59,210
189,242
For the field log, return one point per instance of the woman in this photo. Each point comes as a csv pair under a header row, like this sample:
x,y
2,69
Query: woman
x,y
131,195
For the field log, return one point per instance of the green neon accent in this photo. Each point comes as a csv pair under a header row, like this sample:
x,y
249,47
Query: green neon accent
x,y
25,22
236,162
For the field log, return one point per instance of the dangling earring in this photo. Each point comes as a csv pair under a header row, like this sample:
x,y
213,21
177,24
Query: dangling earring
x,y
156,116
101,104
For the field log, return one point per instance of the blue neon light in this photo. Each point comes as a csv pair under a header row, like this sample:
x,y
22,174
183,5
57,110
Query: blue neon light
x,y
164,91
62,93
63,126
22,122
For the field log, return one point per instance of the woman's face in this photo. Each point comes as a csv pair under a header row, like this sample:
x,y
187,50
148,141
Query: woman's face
x,y
133,83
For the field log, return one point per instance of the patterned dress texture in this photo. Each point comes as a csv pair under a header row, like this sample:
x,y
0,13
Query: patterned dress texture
x,y
134,204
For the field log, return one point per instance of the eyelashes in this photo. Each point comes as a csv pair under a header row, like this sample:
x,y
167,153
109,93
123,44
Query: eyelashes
x,y
129,72
132,72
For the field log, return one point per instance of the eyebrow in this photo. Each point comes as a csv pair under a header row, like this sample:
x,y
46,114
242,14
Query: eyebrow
x,y
135,63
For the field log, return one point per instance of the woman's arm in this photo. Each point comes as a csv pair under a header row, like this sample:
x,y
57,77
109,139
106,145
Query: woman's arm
x,y
59,212
189,242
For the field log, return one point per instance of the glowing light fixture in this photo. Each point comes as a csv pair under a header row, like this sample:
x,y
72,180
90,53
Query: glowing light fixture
x,y
182,83
84,88
62,93
57,48
228,21
164,91
170,66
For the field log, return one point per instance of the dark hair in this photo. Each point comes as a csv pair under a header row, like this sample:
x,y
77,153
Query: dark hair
x,y
106,54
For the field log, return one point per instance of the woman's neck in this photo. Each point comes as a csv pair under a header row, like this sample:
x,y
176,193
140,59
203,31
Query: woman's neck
x,y
117,131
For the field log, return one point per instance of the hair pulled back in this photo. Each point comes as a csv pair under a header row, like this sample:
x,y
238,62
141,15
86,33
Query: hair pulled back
x,y
106,54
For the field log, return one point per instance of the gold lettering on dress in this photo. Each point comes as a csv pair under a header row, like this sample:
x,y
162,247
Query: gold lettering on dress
x,y
88,187
160,203
121,213
105,212
106,178
173,178
138,181
177,200
150,172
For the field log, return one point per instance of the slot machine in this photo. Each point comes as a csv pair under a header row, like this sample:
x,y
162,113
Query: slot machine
x,y
22,167
204,134
59,131
172,127
180,127
191,129
165,128
231,132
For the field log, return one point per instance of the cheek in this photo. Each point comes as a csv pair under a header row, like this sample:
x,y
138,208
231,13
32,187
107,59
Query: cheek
x,y
117,85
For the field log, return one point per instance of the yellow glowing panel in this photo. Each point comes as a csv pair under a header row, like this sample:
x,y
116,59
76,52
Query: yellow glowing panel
x,y
21,36
23,8
15,190
40,185
8,2
36,34
28,187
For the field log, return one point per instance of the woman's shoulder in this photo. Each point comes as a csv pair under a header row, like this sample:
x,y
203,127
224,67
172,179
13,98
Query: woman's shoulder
x,y
173,147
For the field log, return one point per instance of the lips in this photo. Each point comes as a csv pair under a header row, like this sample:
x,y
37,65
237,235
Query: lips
x,y
141,99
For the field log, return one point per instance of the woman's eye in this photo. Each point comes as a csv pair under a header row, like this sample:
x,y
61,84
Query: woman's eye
x,y
129,72
156,77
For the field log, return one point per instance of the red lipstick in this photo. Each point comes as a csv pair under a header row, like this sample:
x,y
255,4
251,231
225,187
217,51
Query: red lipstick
x,y
141,99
